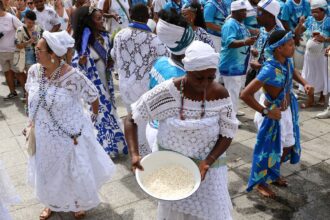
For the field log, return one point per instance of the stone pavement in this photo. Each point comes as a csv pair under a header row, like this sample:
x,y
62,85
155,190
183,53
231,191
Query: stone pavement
x,y
307,196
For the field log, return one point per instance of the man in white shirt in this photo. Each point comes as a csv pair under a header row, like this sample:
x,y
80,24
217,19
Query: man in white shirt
x,y
134,51
157,6
47,18
9,24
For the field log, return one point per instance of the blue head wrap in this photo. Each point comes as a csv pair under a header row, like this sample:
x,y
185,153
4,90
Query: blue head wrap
x,y
285,39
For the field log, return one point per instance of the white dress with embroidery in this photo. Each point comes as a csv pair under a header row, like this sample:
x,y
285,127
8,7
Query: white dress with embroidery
x,y
8,194
195,138
66,177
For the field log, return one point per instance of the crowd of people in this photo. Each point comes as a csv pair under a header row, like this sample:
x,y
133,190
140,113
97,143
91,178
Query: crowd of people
x,y
182,66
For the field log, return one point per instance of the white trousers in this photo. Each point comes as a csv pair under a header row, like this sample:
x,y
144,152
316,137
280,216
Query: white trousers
x,y
234,84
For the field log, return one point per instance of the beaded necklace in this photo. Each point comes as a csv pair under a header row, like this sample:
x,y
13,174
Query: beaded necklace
x,y
42,94
182,116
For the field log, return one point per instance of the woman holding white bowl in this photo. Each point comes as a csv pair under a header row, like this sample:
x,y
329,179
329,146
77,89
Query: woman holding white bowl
x,y
195,119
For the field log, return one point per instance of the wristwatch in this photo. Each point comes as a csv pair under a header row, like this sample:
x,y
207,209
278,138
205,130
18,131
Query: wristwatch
x,y
265,112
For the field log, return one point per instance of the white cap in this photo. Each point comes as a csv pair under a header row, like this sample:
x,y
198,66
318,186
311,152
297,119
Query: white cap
x,y
238,5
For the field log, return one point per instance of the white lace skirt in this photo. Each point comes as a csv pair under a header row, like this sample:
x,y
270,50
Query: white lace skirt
x,y
67,177
210,202
8,194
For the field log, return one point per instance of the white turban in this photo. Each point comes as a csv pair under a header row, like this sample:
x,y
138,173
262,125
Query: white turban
x,y
238,5
59,42
200,56
176,38
273,7
319,4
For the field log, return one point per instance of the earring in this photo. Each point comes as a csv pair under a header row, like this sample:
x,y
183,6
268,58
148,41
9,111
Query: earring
x,y
52,61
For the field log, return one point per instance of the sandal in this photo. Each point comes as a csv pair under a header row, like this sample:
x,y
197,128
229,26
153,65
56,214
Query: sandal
x,y
79,215
45,214
281,182
306,105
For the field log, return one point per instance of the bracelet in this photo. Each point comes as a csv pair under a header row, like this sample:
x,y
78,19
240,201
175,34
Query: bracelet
x,y
244,42
212,157
94,117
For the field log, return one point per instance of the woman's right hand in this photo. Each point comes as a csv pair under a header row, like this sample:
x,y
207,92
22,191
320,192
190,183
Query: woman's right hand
x,y
274,114
135,163
82,60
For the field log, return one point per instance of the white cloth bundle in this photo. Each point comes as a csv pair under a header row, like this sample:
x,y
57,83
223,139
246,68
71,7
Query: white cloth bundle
x,y
59,42
200,56
171,35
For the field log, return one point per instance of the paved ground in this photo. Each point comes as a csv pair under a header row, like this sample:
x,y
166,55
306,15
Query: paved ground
x,y
307,197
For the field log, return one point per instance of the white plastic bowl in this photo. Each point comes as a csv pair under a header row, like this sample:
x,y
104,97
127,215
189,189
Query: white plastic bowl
x,y
160,159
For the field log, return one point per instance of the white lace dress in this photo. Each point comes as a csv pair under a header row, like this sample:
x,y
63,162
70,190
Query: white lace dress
x,y
8,194
195,138
66,177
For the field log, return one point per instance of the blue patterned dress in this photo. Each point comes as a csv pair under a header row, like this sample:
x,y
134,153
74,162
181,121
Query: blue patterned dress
x,y
267,151
109,131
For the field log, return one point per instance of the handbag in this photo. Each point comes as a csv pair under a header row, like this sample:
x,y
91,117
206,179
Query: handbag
x,y
252,73
30,135
19,57
30,142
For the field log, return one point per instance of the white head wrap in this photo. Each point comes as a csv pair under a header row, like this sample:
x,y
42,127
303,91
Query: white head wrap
x,y
273,7
200,56
238,5
319,4
59,42
171,35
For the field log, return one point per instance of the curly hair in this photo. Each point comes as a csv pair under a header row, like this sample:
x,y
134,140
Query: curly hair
x,y
81,20
199,19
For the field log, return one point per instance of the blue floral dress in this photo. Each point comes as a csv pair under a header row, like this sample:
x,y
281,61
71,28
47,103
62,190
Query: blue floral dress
x,y
109,131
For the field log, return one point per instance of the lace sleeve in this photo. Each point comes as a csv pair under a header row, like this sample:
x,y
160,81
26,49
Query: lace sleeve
x,y
227,121
140,110
32,77
88,90
80,85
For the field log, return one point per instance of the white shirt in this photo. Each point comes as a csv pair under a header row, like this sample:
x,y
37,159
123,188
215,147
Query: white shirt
x,y
9,24
134,51
47,18
158,5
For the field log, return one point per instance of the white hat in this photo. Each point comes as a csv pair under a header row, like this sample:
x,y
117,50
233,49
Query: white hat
x,y
59,42
273,7
200,56
238,5
319,4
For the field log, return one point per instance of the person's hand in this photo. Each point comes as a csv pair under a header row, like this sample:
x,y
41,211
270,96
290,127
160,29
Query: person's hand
x,y
254,32
327,51
203,168
135,163
82,60
309,89
255,65
319,38
250,41
274,114
115,16
302,20
254,52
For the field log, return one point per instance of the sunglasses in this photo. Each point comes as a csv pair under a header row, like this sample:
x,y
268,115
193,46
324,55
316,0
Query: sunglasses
x,y
30,3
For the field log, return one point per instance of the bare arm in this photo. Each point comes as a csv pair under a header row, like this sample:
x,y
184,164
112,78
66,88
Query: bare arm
x,y
55,28
213,27
247,95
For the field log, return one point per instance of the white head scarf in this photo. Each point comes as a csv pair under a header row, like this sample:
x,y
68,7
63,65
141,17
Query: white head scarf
x,y
59,42
273,7
200,56
171,35
319,4
238,5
